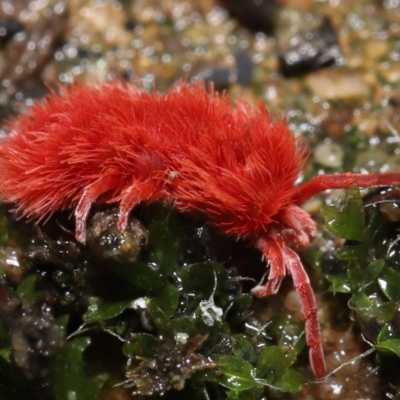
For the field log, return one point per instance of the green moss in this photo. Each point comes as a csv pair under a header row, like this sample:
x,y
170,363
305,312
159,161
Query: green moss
x,y
176,319
367,269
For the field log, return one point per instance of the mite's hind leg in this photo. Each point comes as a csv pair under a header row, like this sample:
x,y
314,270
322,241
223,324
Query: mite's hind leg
x,y
90,194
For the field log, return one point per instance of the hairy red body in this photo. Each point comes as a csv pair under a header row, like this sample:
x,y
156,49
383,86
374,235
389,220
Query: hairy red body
x,y
115,144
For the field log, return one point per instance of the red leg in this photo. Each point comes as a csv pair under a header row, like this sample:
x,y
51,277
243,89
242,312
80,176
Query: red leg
x,y
300,222
343,181
128,201
309,311
146,191
272,251
282,258
89,196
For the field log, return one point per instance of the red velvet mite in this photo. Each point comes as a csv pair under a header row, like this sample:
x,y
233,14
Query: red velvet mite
x,y
115,144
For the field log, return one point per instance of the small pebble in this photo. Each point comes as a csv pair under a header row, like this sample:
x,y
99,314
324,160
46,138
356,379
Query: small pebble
x,y
333,85
329,155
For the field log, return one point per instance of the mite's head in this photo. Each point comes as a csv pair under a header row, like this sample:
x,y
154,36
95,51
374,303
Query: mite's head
x,y
278,219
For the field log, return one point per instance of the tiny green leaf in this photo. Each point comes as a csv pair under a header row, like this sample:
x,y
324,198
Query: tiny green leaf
x,y
163,304
291,381
253,393
26,288
373,269
140,345
199,279
140,275
339,283
361,300
68,374
354,252
243,347
272,364
389,282
237,373
162,251
385,333
347,222
106,310
390,345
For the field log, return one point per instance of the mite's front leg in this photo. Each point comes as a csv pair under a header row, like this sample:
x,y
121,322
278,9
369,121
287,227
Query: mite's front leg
x,y
308,309
272,252
284,260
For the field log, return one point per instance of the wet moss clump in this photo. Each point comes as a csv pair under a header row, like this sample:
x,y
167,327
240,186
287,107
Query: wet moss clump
x,y
173,318
366,270
168,365
166,319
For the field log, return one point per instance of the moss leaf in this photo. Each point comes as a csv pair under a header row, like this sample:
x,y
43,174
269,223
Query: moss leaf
x,y
339,283
373,270
99,312
68,373
199,279
389,282
272,364
140,275
291,381
347,222
141,345
163,304
162,250
26,288
238,374
253,393
391,345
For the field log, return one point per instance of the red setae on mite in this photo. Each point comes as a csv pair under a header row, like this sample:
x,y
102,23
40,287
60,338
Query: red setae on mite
x,y
115,144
